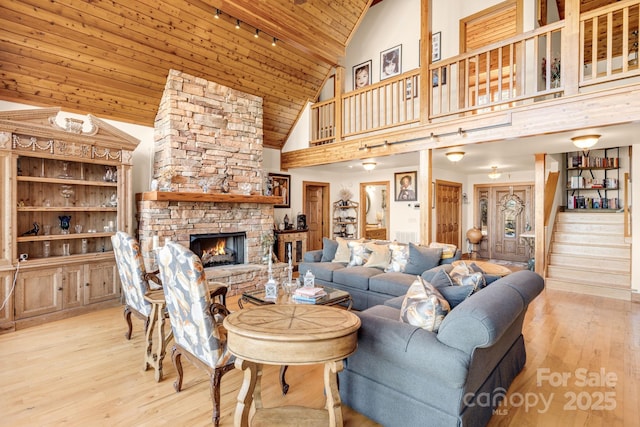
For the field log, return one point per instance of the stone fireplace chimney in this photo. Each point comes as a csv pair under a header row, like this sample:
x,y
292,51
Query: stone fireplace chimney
x,y
206,133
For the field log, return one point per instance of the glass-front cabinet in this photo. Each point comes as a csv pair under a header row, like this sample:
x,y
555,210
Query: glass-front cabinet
x,y
66,190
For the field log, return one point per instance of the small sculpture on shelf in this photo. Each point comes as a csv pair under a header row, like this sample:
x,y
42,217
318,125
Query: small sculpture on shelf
x,y
65,223
345,196
34,231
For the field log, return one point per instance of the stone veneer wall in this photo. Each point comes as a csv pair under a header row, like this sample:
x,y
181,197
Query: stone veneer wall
x,y
206,131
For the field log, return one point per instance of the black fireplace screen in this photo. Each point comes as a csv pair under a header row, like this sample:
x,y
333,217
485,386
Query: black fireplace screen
x,y
219,249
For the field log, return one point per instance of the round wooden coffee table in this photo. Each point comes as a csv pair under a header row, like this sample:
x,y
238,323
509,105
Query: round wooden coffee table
x,y
290,335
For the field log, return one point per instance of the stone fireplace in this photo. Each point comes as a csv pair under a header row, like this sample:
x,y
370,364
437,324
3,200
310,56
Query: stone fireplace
x,y
208,135
216,249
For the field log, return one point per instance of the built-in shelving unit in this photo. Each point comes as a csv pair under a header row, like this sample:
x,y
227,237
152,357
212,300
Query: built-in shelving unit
x,y
593,179
66,189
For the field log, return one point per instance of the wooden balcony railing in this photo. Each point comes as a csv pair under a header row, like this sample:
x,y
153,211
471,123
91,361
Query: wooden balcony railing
x,y
498,76
609,39
391,103
523,69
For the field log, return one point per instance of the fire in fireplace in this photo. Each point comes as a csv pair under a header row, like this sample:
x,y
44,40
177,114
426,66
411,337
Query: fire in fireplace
x,y
219,249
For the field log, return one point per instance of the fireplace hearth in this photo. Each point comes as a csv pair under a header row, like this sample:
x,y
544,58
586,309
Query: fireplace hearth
x,y
219,249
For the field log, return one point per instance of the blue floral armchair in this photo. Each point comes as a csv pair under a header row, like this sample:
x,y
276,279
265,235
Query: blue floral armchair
x,y
196,320
134,278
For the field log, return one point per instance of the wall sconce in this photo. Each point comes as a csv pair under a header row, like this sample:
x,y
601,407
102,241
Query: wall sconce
x,y
494,174
585,142
369,166
455,156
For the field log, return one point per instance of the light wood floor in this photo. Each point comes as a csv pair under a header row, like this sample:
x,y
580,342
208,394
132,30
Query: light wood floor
x,y
82,371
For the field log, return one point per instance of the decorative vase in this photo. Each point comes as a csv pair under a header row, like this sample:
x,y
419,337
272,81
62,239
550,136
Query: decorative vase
x,y
474,235
65,223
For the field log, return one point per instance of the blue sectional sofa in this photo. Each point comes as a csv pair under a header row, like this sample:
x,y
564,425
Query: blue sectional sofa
x,y
402,375
368,286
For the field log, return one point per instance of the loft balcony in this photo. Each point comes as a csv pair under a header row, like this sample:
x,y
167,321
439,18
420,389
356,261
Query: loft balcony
x,y
558,66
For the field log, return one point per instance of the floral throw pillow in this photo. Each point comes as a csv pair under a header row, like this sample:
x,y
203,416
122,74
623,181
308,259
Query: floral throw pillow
x,y
399,257
359,253
463,274
448,250
424,306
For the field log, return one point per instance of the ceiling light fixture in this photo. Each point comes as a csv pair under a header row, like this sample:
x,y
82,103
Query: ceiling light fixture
x,y
455,156
273,43
369,166
257,34
217,15
586,141
494,174
237,24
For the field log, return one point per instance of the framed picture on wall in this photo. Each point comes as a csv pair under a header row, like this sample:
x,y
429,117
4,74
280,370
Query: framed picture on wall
x,y
391,62
406,186
282,187
435,47
436,77
362,75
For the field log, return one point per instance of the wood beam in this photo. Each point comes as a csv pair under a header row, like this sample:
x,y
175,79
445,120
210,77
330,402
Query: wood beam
x,y
540,240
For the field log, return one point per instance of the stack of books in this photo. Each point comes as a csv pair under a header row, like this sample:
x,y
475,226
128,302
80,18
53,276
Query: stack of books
x,y
308,295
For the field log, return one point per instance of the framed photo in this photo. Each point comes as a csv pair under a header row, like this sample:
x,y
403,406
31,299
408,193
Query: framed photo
x,y
406,186
391,62
282,187
435,47
362,75
436,80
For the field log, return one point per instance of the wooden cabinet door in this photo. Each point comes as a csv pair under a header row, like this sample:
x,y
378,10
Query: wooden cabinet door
x,y
101,282
38,292
72,285
6,313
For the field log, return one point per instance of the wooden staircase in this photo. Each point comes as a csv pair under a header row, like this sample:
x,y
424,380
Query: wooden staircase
x,y
589,255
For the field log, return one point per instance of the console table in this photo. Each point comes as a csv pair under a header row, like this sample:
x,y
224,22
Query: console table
x,y
290,335
297,240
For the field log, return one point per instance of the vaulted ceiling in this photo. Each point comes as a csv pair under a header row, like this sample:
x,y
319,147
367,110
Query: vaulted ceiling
x,y
111,58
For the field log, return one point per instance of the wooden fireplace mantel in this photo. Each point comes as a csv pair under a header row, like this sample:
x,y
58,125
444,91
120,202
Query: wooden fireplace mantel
x,y
181,196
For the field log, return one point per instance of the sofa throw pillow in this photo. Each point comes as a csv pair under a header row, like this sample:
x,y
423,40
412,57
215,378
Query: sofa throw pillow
x,y
359,253
329,248
462,274
448,250
454,294
379,255
343,253
422,259
399,257
424,306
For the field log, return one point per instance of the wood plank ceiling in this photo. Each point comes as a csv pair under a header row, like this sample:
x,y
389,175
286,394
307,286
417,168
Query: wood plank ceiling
x,y
111,58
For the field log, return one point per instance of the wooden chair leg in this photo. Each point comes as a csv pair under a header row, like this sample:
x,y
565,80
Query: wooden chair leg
x,y
127,318
176,358
215,379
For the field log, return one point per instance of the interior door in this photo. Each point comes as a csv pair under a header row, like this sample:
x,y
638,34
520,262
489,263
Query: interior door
x,y
449,212
511,218
316,207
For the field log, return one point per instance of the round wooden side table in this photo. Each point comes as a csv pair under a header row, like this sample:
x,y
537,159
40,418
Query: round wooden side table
x,y
290,335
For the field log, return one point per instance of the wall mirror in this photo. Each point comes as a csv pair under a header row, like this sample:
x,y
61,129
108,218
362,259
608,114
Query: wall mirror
x,y
374,209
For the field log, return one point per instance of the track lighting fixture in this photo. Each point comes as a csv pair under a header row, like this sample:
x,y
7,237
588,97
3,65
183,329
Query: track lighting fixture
x,y
257,34
237,24
217,15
